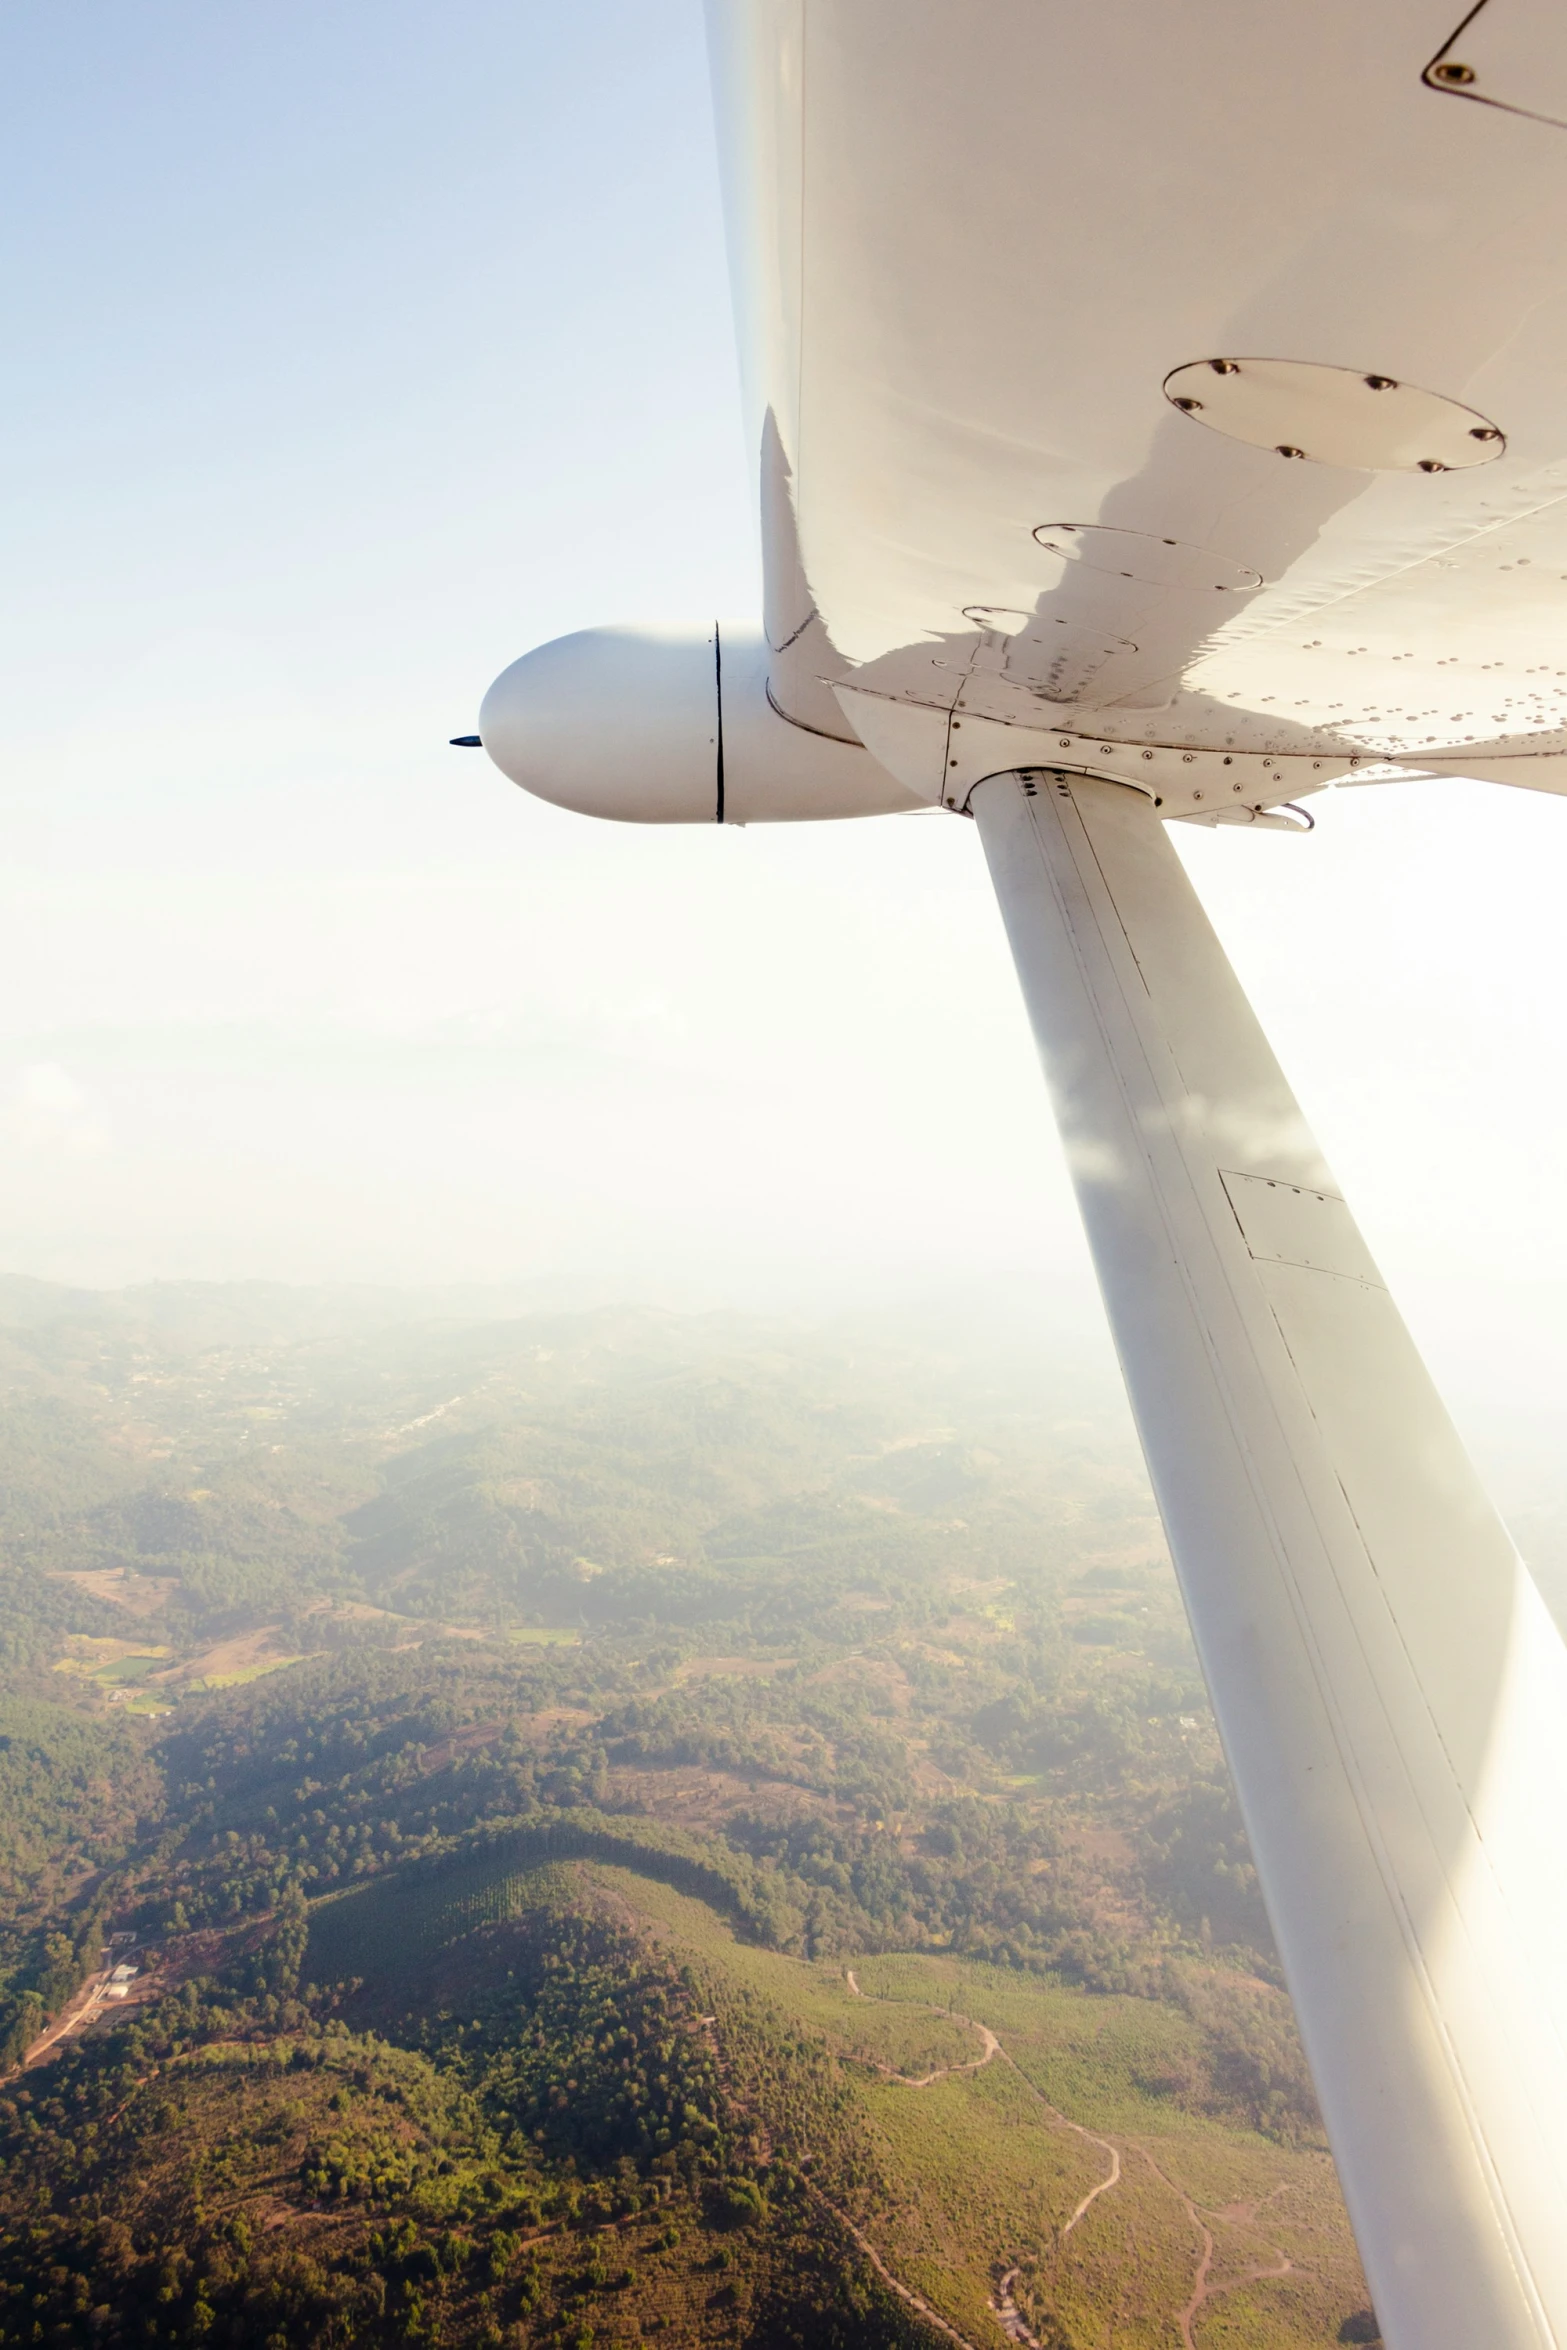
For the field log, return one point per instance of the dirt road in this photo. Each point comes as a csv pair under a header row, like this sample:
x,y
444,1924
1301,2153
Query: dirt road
x,y
990,2046
1009,2317
905,2293
75,2016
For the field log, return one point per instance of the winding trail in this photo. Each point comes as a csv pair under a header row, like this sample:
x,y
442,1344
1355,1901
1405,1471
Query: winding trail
x,y
1202,2288
989,2044
1112,2177
992,2049
1013,2323
1008,2316
905,2293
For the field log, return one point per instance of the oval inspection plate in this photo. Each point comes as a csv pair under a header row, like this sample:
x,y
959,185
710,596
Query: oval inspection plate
x,y
1333,415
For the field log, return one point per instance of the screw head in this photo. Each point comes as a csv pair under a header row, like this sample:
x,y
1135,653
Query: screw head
x,y
1484,432
1225,366
1188,407
1453,75
1287,449
1432,465
1381,383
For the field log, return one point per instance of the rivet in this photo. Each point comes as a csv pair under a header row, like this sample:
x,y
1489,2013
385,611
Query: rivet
x,y
1456,76
1225,366
1235,787
1381,383
1147,754
1105,747
952,762
1196,795
1189,408
1286,449
1484,432
1228,761
1432,465
1186,758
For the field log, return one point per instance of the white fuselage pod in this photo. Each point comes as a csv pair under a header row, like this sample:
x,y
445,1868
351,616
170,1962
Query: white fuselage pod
x,y
672,727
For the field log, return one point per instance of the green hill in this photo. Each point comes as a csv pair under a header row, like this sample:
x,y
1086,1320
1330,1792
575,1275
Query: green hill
x,y
634,1828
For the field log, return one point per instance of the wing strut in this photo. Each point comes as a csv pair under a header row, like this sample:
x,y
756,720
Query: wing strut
x,y
1391,1692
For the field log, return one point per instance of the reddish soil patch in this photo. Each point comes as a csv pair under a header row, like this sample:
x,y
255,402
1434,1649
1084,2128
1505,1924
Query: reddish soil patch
x,y
876,1672
699,1798
537,1727
139,1595
227,1656
731,1668
973,1628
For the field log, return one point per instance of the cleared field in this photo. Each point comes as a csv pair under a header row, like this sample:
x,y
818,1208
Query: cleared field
x,y
243,1674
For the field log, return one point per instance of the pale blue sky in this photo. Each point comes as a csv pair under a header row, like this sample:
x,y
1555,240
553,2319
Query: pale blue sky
x,y
347,352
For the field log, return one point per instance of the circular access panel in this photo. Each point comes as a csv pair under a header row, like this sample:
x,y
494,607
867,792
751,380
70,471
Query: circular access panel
x,y
1333,415
1139,555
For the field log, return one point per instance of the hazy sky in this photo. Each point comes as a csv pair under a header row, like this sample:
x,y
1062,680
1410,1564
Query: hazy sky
x,y
349,352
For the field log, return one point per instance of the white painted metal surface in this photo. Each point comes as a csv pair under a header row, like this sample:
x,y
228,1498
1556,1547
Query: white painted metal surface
x,y
970,245
1391,1692
661,726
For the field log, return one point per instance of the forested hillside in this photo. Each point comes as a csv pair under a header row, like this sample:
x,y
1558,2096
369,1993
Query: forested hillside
x,y
574,1790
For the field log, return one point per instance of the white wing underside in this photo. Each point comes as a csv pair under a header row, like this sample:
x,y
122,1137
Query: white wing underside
x,y
972,242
